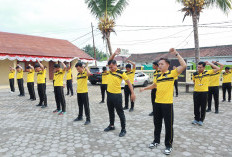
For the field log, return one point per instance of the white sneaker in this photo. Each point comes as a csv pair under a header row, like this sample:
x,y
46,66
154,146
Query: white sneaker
x,y
153,145
168,150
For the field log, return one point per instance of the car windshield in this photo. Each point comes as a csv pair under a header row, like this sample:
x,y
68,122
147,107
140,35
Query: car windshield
x,y
94,70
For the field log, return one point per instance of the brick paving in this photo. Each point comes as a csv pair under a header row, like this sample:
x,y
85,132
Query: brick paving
x,y
27,130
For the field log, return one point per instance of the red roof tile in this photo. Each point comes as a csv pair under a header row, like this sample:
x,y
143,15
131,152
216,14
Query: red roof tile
x,y
11,43
224,50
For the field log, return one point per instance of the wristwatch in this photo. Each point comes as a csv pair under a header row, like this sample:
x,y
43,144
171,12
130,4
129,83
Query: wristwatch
x,y
177,54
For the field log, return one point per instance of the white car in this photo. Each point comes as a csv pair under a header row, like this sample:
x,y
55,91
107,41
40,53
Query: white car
x,y
141,79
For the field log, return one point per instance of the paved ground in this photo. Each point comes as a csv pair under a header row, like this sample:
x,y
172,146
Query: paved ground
x,y
27,130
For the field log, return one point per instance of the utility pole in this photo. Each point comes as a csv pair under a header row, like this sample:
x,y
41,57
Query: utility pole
x,y
94,45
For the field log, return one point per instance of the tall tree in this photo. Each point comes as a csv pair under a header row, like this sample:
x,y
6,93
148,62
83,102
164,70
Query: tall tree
x,y
194,7
106,12
100,56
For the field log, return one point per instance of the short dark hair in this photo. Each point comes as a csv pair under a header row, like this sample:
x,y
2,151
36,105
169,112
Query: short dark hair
x,y
166,60
128,66
17,67
155,63
227,68
79,64
202,63
103,68
112,62
56,65
36,65
28,67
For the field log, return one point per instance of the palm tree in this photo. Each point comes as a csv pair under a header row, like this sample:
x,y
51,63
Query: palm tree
x,y
194,7
106,11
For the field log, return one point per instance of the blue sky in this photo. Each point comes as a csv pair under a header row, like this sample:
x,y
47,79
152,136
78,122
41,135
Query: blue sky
x,y
71,19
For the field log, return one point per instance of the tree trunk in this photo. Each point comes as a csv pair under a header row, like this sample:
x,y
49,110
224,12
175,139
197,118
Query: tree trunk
x,y
108,43
196,37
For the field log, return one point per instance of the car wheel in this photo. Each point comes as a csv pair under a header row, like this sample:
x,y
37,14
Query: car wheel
x,y
145,84
93,82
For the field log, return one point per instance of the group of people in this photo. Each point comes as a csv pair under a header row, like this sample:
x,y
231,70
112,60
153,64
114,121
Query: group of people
x,y
206,85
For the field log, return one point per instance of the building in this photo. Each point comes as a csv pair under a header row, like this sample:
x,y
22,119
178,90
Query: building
x,y
25,49
222,54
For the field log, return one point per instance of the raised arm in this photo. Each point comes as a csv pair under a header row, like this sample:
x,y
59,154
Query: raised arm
x,y
31,66
41,65
215,68
69,66
183,65
134,66
220,64
117,52
64,66
20,66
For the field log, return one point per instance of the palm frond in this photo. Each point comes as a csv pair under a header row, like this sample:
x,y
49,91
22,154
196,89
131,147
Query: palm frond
x,y
118,8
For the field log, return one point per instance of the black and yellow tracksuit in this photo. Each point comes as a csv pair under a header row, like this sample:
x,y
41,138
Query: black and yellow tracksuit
x,y
214,90
127,92
114,96
82,94
69,82
41,87
30,84
11,80
59,90
153,91
226,85
200,95
104,84
163,107
20,82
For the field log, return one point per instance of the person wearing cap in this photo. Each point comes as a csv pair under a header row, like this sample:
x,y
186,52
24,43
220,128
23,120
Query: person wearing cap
x,y
114,94
226,84
201,87
82,92
153,91
163,107
41,86
30,82
20,80
214,88
131,75
105,73
59,88
69,79
11,79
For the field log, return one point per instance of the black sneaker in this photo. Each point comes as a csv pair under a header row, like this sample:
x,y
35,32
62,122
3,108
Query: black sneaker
x,y
87,122
78,119
67,94
109,128
122,133
71,95
39,105
125,108
131,109
43,106
168,150
101,102
33,99
216,112
208,110
151,114
153,145
223,100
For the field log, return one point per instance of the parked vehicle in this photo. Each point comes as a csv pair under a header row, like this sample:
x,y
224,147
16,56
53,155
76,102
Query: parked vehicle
x,y
141,79
96,75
